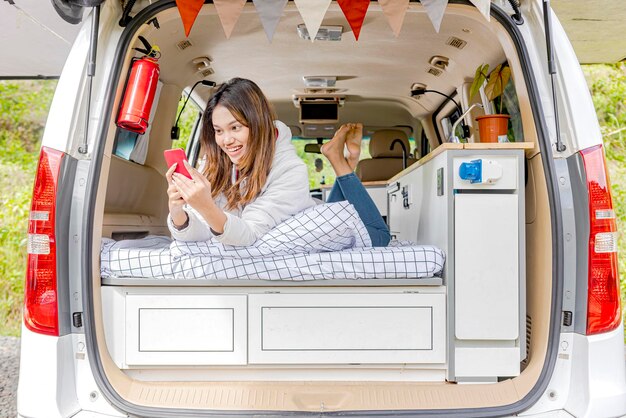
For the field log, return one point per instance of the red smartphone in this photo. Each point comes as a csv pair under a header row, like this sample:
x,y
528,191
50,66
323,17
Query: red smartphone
x,y
176,155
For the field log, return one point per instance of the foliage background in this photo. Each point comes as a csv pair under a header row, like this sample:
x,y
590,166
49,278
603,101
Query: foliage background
x,y
24,106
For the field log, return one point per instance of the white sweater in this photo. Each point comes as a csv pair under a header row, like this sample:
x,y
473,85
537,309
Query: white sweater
x,y
286,192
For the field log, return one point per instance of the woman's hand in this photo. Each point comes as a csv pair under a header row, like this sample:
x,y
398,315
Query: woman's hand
x,y
195,191
175,200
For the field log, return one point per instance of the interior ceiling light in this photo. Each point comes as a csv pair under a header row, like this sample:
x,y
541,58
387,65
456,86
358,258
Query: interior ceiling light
x,y
439,61
417,89
325,33
203,66
320,81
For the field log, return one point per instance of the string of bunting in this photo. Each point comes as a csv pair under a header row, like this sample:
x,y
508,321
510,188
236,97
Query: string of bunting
x,y
313,11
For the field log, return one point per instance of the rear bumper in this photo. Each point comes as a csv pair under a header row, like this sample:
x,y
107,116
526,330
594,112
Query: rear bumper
x,y
56,379
46,385
598,380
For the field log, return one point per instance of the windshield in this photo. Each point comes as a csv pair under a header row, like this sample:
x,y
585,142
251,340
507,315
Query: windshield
x,y
320,170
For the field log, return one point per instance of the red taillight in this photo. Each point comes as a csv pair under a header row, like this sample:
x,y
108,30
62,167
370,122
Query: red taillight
x,y
40,293
603,297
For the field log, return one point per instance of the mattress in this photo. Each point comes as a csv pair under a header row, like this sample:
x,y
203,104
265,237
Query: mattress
x,y
327,242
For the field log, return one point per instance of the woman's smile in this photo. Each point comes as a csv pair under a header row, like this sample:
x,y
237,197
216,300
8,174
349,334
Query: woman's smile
x,y
230,134
233,150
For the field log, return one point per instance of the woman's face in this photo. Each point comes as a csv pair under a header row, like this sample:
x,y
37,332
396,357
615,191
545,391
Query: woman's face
x,y
230,134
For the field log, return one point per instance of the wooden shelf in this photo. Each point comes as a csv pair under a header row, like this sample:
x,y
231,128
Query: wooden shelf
x,y
447,146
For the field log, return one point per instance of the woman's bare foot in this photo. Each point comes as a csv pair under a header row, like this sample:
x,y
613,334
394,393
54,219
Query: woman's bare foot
x,y
337,143
353,144
333,150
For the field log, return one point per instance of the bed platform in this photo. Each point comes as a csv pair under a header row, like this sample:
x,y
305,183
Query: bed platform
x,y
227,325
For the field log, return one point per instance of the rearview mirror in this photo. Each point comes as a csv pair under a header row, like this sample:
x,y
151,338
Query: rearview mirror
x,y
313,148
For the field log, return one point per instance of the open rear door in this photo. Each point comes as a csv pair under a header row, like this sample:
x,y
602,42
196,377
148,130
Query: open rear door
x,y
595,28
35,39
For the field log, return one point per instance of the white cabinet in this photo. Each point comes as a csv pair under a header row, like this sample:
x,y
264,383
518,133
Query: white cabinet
x,y
185,329
469,201
175,326
404,202
486,266
346,328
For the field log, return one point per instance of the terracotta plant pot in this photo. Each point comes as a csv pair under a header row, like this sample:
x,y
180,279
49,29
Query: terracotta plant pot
x,y
490,127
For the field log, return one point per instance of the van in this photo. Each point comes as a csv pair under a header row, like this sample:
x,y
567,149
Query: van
x,y
523,317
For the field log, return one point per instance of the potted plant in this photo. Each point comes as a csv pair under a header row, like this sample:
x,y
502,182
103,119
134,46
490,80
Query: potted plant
x,y
491,127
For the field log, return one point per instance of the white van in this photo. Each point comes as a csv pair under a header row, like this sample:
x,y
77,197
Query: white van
x,y
522,319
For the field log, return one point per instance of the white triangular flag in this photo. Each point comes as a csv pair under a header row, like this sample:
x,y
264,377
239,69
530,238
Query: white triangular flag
x,y
394,11
484,7
312,12
434,10
270,12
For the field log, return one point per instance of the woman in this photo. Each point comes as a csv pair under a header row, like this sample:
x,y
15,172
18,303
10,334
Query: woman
x,y
253,178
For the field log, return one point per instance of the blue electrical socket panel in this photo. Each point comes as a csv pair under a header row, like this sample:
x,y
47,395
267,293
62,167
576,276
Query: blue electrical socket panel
x,y
472,171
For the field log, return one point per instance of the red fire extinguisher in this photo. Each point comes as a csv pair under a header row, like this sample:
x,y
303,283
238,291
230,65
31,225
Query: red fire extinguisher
x,y
140,88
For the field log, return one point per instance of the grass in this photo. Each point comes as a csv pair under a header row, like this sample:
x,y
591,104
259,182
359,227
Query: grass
x,y
607,84
23,109
24,106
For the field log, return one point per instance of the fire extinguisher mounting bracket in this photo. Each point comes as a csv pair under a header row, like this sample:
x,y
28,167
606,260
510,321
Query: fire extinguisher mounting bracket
x,y
148,50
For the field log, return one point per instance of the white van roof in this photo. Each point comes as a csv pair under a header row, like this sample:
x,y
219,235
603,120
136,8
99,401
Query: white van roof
x,y
36,41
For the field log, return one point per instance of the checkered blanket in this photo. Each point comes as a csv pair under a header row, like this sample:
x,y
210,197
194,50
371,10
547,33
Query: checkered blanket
x,y
325,242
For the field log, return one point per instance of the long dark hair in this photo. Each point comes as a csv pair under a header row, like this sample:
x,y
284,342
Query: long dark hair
x,y
245,100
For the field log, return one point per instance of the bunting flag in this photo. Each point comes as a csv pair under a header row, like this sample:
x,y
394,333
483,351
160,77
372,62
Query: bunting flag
x,y
229,12
354,10
484,6
189,10
434,10
394,11
270,12
312,12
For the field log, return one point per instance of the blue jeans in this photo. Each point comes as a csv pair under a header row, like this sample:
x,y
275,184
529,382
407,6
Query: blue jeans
x,y
350,188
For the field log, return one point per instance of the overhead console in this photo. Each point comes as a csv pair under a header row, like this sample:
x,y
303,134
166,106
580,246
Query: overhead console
x,y
318,109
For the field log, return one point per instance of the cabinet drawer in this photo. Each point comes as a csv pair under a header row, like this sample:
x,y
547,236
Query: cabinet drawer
x,y
346,328
185,329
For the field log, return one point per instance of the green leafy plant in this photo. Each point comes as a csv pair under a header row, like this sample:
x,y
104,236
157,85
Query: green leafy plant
x,y
23,111
496,81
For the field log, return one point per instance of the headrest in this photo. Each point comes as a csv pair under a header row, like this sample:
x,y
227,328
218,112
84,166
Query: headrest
x,y
381,141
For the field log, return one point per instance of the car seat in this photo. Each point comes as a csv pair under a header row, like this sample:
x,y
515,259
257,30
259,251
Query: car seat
x,y
385,162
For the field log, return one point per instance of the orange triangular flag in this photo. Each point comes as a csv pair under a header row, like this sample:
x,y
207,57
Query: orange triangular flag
x,y
189,10
394,11
354,10
229,12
